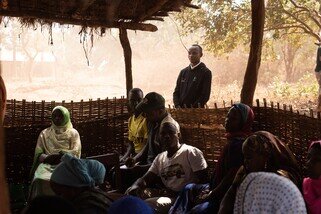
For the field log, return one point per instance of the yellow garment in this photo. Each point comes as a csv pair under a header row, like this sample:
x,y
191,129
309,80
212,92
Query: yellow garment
x,y
137,131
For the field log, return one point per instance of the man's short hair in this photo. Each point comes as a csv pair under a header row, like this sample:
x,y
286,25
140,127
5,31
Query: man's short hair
x,y
136,91
196,45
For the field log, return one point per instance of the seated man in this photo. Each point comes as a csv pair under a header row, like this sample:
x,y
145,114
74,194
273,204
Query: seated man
x,y
137,125
153,108
178,165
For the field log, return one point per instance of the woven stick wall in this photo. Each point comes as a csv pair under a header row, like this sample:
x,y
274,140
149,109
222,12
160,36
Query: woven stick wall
x,y
104,130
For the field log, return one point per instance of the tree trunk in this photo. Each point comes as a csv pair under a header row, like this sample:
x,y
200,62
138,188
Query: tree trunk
x,y
289,52
254,61
128,58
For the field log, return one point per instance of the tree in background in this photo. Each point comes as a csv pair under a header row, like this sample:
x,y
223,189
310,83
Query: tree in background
x,y
225,25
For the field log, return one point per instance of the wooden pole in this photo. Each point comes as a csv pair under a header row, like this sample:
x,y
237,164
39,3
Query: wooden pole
x,y
254,61
128,58
4,196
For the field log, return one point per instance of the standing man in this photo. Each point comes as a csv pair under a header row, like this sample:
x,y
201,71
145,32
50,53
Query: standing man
x,y
318,76
193,86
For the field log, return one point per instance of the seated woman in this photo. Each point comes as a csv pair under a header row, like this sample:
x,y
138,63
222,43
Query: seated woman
x,y
77,180
312,184
266,192
207,198
177,166
52,143
263,152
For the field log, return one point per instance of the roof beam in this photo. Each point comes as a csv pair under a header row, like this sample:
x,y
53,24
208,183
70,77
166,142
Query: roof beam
x,y
88,23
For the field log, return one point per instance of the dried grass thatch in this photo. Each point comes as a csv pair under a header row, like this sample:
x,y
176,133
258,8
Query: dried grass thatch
x,y
127,14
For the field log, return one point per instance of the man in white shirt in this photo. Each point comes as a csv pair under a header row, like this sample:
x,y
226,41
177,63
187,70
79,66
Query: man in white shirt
x,y
178,165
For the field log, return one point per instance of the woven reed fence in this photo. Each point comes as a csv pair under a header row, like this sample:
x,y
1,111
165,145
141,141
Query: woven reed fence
x,y
102,125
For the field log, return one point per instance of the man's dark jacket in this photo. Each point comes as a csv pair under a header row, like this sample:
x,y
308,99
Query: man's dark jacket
x,y
193,87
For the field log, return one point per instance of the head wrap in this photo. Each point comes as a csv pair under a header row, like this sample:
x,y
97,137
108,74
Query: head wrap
x,y
264,192
247,119
280,157
76,172
66,115
130,204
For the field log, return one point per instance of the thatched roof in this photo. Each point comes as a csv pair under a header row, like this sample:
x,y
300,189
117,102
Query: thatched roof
x,y
128,14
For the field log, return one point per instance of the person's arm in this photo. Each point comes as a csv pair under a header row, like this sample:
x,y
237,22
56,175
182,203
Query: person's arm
x,y
75,145
227,204
206,89
221,188
147,180
142,155
129,151
198,165
176,94
202,176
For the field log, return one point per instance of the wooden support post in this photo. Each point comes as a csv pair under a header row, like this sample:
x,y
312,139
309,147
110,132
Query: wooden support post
x,y
4,196
128,58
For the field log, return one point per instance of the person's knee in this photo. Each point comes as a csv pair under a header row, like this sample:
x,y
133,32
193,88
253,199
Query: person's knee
x,y
189,187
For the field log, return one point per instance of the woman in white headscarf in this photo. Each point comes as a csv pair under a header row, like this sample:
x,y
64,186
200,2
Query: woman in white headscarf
x,y
53,142
266,192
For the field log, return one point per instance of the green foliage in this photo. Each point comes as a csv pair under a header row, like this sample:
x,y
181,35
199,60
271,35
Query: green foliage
x,y
306,87
224,25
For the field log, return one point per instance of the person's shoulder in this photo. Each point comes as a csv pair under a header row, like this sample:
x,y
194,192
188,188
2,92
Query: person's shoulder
x,y
46,130
191,149
204,68
184,70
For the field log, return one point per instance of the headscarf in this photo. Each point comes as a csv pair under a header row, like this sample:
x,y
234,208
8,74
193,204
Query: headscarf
x,y
280,157
130,204
247,116
58,137
264,192
76,172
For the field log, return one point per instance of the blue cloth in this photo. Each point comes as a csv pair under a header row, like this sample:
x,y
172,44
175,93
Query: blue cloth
x,y
244,109
130,204
185,203
76,172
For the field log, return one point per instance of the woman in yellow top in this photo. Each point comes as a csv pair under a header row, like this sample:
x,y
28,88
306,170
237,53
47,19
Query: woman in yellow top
x,y
52,143
137,125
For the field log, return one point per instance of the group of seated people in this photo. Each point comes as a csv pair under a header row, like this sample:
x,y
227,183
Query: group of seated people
x,y
256,172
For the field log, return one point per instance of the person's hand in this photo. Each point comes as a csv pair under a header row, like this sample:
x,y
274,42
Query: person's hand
x,y
53,159
132,190
130,162
203,196
239,177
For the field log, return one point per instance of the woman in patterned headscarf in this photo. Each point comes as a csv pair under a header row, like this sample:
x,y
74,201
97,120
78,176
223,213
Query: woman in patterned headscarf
x,y
266,192
264,152
53,142
206,198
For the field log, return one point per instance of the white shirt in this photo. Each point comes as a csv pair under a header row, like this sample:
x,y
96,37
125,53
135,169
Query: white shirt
x,y
192,67
178,170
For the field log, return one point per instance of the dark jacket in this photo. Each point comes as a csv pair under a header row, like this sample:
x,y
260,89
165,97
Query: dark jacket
x,y
193,87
